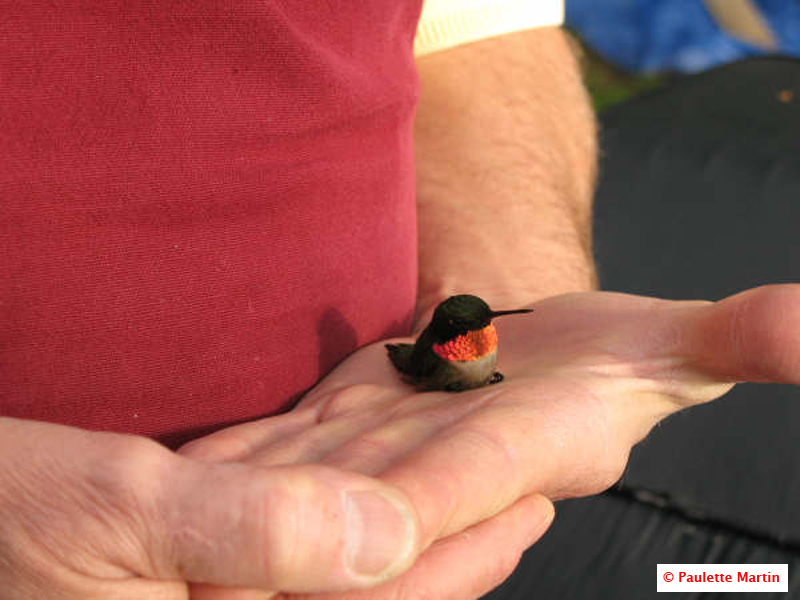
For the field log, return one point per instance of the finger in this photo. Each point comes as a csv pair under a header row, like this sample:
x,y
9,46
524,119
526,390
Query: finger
x,y
369,440
645,347
314,443
305,434
304,528
751,336
377,449
415,421
399,423
470,563
492,550
597,329
238,442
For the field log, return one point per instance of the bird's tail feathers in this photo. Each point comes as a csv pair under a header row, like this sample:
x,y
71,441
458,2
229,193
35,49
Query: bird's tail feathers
x,y
400,355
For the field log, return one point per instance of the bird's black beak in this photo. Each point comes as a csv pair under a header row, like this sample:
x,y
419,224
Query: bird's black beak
x,y
502,313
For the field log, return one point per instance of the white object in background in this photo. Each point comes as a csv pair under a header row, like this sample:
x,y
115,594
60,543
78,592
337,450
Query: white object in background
x,y
448,23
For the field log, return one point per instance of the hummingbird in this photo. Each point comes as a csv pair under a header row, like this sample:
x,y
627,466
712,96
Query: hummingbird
x,y
457,351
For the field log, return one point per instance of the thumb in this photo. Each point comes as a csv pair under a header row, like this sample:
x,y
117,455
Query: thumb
x,y
298,528
751,336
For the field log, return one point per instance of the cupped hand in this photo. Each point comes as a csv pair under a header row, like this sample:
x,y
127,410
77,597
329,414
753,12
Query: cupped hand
x,y
98,515
587,376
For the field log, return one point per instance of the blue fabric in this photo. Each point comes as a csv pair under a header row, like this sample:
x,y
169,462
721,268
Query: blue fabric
x,y
673,35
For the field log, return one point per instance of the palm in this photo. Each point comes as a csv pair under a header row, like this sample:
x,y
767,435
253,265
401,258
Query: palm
x,y
587,376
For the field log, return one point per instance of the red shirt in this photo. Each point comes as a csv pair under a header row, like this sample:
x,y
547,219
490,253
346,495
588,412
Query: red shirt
x,y
204,206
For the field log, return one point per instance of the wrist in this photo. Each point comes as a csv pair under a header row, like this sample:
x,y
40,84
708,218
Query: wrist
x,y
576,276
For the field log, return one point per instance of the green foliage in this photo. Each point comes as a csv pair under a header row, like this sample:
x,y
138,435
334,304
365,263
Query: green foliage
x,y
609,85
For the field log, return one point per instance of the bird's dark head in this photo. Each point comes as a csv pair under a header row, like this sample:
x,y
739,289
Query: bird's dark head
x,y
464,313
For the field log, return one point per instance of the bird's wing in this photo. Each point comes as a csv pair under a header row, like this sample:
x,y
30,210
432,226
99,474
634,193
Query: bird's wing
x,y
423,361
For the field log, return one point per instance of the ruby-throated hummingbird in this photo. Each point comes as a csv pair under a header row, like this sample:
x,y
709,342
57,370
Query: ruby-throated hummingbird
x,y
457,350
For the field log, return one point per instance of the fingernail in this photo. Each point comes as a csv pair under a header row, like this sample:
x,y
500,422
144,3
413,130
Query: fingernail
x,y
380,534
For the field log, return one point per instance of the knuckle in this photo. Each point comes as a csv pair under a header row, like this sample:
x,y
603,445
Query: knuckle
x,y
219,448
122,491
284,525
127,466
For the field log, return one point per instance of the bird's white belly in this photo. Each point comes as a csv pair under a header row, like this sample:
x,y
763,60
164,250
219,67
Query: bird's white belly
x,y
473,373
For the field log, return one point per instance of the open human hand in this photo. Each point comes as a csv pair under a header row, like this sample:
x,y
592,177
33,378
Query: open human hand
x,y
587,376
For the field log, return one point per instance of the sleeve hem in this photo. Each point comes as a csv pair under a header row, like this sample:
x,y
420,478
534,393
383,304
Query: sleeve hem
x,y
453,28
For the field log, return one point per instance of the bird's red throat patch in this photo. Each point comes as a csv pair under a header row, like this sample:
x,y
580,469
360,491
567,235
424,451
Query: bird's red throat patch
x,y
469,346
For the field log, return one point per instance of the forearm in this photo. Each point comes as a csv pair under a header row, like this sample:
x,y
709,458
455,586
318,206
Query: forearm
x,y
506,163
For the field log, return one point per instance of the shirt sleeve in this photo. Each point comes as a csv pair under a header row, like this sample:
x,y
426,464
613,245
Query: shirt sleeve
x,y
448,23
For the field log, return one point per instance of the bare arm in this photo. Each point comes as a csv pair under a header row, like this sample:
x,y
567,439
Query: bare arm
x,y
506,160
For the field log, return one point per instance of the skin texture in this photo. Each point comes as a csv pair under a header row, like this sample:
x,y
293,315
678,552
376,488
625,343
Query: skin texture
x,y
506,162
259,507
